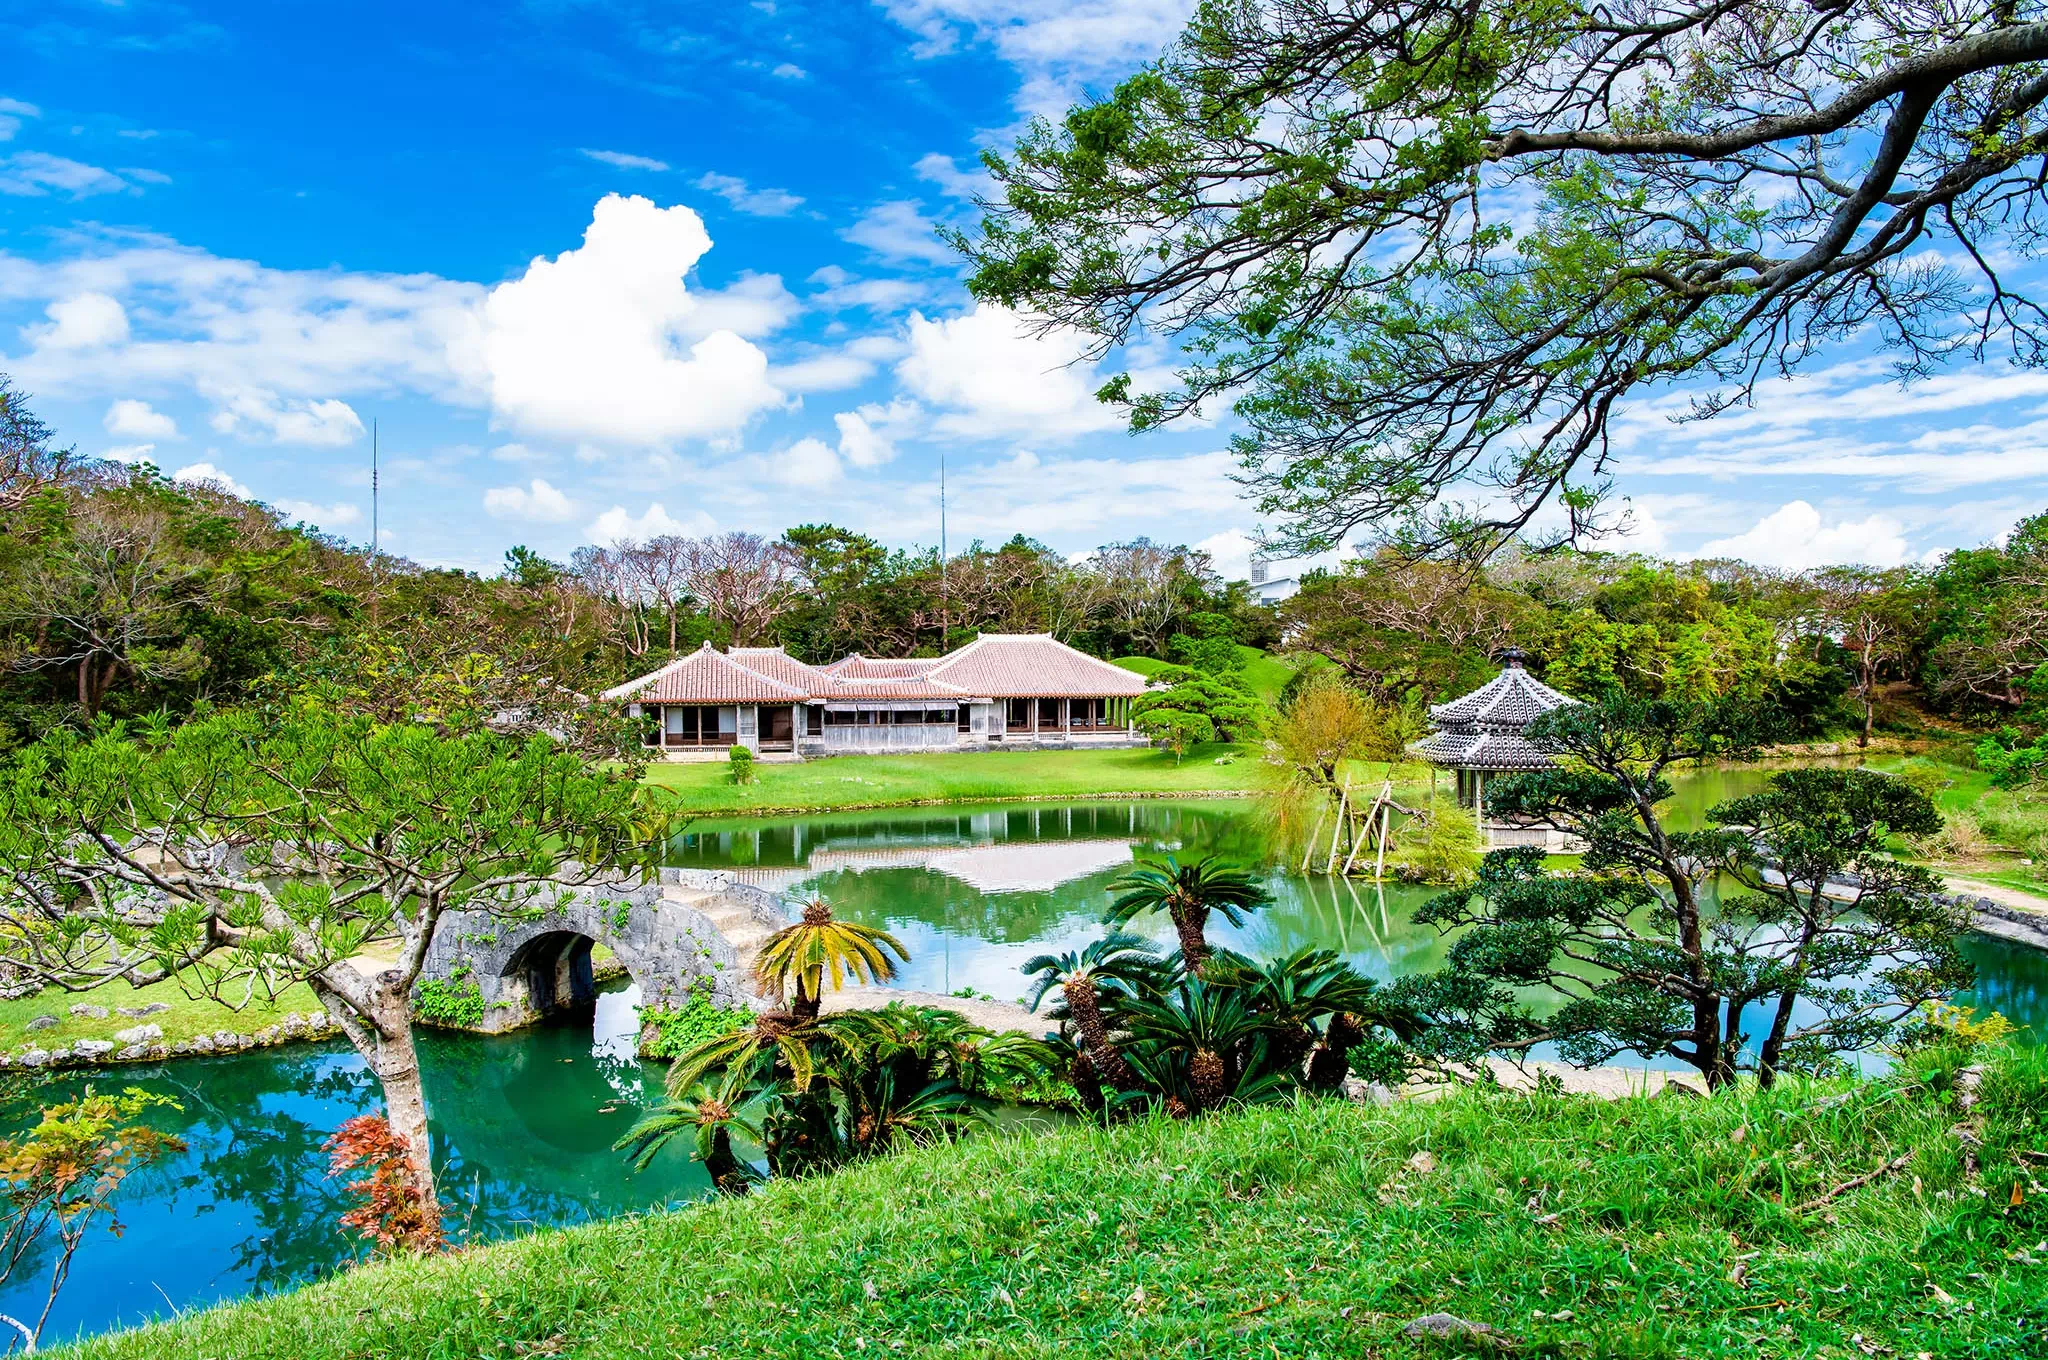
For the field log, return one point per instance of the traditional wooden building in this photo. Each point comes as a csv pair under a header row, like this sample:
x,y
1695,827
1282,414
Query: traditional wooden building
x,y
1481,733
1001,690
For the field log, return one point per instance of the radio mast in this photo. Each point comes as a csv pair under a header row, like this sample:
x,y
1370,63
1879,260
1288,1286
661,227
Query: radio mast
x,y
374,582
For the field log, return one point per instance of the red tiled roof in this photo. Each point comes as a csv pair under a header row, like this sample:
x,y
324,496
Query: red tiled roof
x,y
777,664
858,667
709,677
1032,665
994,666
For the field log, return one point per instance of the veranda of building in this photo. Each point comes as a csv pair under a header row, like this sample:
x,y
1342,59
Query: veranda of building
x,y
1003,690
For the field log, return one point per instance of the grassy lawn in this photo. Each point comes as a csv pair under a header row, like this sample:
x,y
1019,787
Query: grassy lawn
x,y
185,1018
881,781
1729,1227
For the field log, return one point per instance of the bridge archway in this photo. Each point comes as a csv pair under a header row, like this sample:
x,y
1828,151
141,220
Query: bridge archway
x,y
532,959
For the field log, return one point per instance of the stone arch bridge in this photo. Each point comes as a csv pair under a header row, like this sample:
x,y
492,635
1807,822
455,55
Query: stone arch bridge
x,y
692,928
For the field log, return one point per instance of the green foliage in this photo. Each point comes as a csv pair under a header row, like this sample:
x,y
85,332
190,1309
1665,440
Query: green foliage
x,y
2012,760
818,1093
454,1002
1944,1025
1205,1028
1175,731
1233,711
1508,282
740,762
59,1177
1637,1203
1643,962
797,961
696,1021
1442,846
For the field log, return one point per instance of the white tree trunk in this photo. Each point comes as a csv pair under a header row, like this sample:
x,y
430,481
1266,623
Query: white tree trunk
x,y
384,1039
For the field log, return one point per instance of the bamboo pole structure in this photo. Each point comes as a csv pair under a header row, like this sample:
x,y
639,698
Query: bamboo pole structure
x,y
1337,832
1308,851
1379,868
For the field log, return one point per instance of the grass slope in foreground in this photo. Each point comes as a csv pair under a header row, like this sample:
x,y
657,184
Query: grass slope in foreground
x,y
882,781
1632,1228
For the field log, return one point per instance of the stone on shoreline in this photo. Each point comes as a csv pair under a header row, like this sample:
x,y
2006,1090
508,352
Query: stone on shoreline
x,y
91,1012
92,1050
41,1022
140,1034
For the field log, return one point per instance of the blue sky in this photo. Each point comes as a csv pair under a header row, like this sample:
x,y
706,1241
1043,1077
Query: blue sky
x,y
604,269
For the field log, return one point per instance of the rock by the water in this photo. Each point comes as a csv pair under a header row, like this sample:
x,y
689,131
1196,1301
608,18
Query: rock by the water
x,y
92,1050
140,1034
133,1052
41,1022
34,1057
89,1011
199,1043
137,1012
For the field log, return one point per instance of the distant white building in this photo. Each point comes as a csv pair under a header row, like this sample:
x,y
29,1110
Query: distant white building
x,y
1268,588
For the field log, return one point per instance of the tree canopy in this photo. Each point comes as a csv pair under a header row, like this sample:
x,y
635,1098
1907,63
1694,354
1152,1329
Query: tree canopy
x,y
1429,248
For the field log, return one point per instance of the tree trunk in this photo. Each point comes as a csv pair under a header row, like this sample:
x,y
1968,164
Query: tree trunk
x,y
727,1176
808,1001
1085,1005
1869,706
1707,1049
384,1039
1194,942
1207,1074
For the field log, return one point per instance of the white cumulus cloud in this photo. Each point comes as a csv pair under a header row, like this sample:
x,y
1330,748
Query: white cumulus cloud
x,y
206,474
538,502
995,377
1796,537
336,516
591,344
618,523
81,321
251,413
131,419
808,462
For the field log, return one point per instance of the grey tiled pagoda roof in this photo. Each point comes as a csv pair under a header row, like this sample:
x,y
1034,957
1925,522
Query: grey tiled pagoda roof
x,y
1483,729
1507,703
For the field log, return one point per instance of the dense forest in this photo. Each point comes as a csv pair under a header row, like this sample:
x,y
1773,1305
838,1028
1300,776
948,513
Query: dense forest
x,y
123,592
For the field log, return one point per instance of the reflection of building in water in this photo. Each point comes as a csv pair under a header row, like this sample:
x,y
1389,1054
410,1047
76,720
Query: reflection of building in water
x,y
992,867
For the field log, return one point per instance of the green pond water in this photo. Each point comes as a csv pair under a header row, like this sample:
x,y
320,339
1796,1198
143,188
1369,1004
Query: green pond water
x,y
524,1123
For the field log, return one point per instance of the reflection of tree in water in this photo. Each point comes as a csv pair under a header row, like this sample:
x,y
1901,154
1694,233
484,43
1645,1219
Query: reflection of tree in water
x,y
525,1125
258,1129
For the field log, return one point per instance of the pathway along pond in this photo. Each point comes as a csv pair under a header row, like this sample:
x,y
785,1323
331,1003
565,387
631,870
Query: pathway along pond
x,y
524,1123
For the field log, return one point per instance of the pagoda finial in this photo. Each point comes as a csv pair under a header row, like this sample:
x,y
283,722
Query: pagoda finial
x,y
1513,657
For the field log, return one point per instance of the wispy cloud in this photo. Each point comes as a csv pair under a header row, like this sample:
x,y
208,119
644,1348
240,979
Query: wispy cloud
x,y
747,199
623,160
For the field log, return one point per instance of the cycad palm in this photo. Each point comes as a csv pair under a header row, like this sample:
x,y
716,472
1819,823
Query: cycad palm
x,y
708,1117
795,960
1122,963
1187,893
1199,1044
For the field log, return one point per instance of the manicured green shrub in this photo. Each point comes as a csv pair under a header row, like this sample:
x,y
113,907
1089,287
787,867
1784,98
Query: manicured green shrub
x,y
741,760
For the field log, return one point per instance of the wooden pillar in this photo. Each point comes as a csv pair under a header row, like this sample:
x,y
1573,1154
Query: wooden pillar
x,y
1034,717
1479,803
1066,717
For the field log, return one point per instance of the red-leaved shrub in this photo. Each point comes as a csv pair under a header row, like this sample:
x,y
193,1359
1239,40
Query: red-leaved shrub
x,y
392,1213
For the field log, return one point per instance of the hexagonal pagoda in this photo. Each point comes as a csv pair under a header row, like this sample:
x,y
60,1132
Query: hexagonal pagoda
x,y
1481,733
